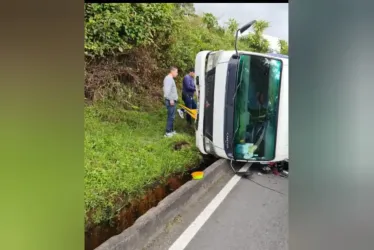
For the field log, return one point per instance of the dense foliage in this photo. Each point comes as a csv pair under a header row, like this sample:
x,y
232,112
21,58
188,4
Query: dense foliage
x,y
145,39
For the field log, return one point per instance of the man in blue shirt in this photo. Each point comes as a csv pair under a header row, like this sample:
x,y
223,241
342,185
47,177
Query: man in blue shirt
x,y
188,94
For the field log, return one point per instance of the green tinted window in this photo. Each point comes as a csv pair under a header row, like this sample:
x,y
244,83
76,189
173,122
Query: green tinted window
x,y
256,108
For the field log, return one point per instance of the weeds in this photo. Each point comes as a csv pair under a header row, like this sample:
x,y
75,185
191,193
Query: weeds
x,y
125,151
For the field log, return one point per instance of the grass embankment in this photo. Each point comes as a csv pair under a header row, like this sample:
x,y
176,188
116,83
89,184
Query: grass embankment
x,y
125,151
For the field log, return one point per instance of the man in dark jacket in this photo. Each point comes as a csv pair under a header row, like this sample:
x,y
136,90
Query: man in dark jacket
x,y
188,94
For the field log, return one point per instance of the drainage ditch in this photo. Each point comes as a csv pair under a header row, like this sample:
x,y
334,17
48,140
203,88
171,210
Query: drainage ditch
x,y
127,216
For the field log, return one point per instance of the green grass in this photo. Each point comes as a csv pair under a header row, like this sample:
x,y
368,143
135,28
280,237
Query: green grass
x,y
125,151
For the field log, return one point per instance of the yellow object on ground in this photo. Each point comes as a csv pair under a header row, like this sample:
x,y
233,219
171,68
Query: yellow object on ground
x,y
198,175
191,112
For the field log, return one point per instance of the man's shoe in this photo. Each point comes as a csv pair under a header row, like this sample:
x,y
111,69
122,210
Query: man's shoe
x,y
171,134
181,113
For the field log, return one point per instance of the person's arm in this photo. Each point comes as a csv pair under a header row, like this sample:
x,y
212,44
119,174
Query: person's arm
x,y
168,83
169,90
191,85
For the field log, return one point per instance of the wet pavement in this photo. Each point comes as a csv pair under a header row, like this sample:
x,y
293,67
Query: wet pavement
x,y
253,216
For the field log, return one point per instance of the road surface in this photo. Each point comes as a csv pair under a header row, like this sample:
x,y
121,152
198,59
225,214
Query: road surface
x,y
235,214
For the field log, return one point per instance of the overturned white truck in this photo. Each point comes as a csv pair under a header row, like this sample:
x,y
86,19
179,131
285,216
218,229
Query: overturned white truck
x,y
242,105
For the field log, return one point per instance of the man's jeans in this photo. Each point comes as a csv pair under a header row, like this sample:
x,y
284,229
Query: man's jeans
x,y
190,103
171,116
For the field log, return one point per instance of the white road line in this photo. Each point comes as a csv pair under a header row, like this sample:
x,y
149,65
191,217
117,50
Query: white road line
x,y
195,226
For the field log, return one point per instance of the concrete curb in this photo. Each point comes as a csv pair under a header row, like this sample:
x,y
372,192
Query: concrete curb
x,y
152,223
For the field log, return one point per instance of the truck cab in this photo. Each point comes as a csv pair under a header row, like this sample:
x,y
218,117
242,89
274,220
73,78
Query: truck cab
x,y
242,105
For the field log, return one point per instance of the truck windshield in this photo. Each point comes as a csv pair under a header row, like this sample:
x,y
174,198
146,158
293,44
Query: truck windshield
x,y
256,107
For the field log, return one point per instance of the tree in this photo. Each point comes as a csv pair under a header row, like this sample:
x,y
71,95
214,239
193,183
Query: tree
x,y
210,21
257,42
283,47
186,9
113,28
232,26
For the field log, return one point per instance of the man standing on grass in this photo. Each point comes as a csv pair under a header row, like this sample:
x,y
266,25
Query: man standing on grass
x,y
188,94
171,98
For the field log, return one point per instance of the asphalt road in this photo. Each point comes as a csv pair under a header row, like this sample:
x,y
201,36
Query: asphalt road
x,y
253,216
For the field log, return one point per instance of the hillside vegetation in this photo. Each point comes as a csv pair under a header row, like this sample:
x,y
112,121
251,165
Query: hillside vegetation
x,y
128,50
